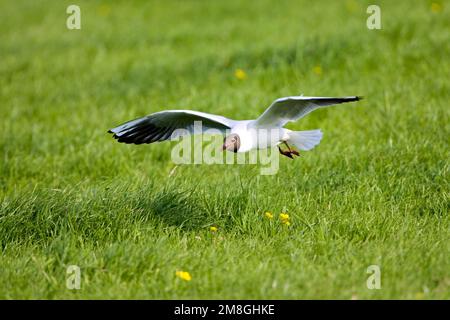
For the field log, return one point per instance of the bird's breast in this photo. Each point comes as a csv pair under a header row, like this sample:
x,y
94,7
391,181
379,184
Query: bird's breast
x,y
253,138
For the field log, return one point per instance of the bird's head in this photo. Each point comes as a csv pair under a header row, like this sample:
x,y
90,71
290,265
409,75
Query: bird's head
x,y
231,142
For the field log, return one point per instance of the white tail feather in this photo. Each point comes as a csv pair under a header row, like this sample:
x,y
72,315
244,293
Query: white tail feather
x,y
305,140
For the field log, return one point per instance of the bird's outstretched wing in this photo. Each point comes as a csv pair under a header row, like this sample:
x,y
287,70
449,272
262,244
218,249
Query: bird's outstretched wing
x,y
161,126
288,109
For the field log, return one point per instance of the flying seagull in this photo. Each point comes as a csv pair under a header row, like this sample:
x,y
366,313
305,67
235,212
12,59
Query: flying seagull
x,y
239,134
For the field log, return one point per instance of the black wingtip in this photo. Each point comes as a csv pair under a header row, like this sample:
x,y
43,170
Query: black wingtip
x,y
359,98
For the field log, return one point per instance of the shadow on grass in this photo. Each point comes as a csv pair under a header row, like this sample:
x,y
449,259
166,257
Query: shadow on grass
x,y
110,214
174,208
193,209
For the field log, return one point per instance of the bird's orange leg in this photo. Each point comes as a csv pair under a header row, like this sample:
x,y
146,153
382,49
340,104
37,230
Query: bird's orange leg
x,y
285,153
292,151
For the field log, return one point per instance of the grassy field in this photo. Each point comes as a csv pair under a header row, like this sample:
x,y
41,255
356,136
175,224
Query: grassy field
x,y
374,192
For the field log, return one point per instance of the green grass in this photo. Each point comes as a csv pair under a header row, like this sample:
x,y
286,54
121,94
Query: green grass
x,y
376,190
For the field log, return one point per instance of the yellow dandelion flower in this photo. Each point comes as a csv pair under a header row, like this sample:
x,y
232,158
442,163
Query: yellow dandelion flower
x,y
286,222
240,74
317,70
436,7
284,217
269,215
184,275
213,229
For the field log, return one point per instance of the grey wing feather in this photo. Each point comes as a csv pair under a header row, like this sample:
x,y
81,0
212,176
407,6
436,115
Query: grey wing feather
x,y
288,109
168,125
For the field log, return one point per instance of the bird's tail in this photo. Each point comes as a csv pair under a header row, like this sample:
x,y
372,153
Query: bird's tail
x,y
305,140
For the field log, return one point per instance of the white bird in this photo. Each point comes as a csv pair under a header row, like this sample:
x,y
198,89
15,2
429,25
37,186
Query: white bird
x,y
240,135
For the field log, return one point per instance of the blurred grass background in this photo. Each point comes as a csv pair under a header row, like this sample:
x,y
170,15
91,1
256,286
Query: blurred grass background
x,y
374,192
